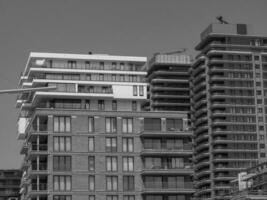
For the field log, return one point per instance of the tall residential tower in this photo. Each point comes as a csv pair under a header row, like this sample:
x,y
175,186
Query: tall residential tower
x,y
228,91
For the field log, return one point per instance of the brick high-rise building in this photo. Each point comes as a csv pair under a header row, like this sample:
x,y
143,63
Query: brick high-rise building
x,y
89,139
228,90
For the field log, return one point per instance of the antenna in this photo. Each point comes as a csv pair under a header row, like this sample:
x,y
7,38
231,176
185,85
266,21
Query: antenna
x,y
221,20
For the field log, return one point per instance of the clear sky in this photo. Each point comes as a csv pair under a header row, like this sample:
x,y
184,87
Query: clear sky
x,y
124,27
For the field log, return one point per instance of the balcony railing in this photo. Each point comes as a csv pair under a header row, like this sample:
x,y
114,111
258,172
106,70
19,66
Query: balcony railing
x,y
167,185
42,166
152,147
39,187
40,147
167,166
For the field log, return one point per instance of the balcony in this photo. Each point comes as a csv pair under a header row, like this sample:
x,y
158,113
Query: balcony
x,y
35,187
172,150
41,149
168,187
167,169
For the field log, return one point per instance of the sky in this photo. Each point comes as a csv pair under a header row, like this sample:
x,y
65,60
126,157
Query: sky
x,y
119,27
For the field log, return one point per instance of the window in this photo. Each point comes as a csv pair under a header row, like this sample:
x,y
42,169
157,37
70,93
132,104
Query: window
x,y
112,197
121,66
141,90
128,197
128,183
111,163
111,124
261,128
101,77
91,163
62,144
112,183
111,144
260,119
259,101
258,83
174,124
127,145
62,183
62,163
91,144
134,106
114,105
91,126
127,125
262,146
134,90
256,57
257,66
258,75
62,124
87,104
101,105
61,197
101,65
262,155
259,110
91,197
113,77
71,64
258,92
91,183
152,124
128,164
261,137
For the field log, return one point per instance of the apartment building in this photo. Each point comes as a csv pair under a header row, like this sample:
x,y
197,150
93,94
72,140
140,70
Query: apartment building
x,y
228,91
88,139
10,184
250,184
168,78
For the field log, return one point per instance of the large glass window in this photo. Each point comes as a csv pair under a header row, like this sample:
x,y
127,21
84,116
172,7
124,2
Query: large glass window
x,y
128,197
128,183
62,163
90,124
112,183
127,145
127,125
62,124
61,197
91,163
141,90
62,183
128,164
174,124
111,163
62,144
91,144
111,124
111,144
152,124
134,90
91,183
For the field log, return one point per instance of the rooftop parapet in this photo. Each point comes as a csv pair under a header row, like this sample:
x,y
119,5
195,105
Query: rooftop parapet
x,y
228,29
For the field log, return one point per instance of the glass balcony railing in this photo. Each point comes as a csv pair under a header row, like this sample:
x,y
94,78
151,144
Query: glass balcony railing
x,y
38,187
38,147
167,185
